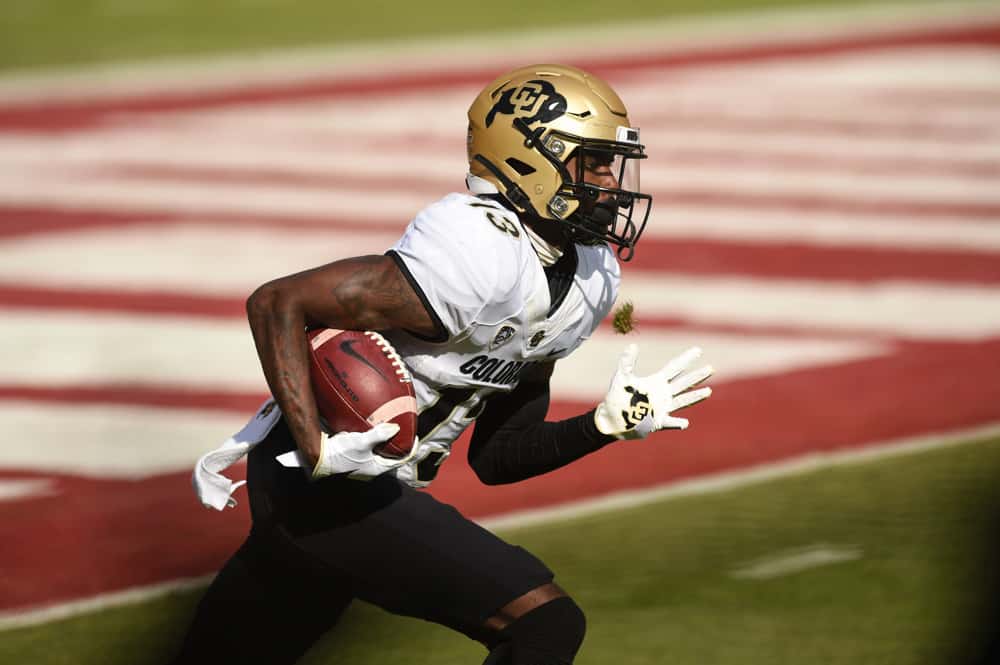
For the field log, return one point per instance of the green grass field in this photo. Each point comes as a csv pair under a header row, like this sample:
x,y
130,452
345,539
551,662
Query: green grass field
x,y
656,581
72,32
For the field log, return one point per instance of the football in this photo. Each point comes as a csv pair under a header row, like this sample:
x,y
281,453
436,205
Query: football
x,y
359,381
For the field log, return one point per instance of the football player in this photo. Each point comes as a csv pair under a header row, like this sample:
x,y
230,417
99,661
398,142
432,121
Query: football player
x,y
484,291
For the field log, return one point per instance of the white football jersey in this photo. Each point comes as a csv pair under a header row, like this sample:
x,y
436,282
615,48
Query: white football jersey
x,y
476,267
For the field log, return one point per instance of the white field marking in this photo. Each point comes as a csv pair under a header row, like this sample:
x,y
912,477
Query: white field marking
x,y
491,50
709,484
199,258
189,257
586,373
59,348
127,442
733,480
210,198
821,230
17,489
845,88
64,162
46,348
663,141
919,310
38,615
835,78
193,196
796,560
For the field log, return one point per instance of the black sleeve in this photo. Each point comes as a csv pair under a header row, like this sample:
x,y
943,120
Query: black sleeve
x,y
512,441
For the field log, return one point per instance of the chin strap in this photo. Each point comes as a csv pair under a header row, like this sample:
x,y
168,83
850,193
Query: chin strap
x,y
548,253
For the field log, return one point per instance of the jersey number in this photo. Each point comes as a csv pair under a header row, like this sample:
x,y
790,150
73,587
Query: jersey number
x,y
503,224
440,412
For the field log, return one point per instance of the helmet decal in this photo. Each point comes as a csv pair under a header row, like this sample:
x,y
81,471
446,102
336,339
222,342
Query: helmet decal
x,y
534,101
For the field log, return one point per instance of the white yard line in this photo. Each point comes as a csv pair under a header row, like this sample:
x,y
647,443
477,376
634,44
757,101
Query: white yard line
x,y
924,310
714,484
787,562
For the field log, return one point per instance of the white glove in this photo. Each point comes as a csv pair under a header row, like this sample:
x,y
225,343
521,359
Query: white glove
x,y
351,454
410,474
635,406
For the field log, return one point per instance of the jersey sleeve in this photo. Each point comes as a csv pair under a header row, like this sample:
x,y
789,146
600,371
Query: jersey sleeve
x,y
464,266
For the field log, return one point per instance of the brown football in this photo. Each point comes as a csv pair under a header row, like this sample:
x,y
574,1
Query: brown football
x,y
359,381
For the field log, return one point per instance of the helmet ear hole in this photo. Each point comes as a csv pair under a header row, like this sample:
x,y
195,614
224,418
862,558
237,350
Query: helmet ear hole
x,y
519,166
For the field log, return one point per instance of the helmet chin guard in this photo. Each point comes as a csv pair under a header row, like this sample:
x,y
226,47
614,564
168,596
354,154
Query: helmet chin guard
x,y
528,128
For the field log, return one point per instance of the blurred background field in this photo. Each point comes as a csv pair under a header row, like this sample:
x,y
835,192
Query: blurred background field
x,y
37,33
826,226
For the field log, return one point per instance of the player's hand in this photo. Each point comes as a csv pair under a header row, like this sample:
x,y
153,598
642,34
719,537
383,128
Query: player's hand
x,y
637,406
352,453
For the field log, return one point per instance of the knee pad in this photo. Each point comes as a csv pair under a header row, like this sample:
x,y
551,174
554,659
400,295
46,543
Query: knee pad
x,y
550,634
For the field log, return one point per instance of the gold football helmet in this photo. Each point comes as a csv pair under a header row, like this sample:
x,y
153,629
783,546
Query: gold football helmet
x,y
528,125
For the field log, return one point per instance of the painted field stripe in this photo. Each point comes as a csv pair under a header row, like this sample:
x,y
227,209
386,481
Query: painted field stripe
x,y
82,114
669,220
89,355
189,258
111,299
788,562
685,256
709,484
919,311
665,141
193,198
802,160
107,269
668,173
721,159
818,202
821,229
682,33
115,441
228,400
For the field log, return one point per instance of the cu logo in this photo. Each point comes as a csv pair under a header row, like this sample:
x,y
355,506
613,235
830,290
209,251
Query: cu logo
x,y
638,407
535,101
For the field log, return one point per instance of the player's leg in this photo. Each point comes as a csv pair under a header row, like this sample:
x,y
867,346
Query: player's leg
x,y
548,634
413,555
542,626
259,611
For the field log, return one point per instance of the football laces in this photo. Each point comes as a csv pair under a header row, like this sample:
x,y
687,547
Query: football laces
x,y
390,352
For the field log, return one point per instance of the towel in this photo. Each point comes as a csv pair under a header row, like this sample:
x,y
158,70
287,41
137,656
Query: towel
x,y
215,490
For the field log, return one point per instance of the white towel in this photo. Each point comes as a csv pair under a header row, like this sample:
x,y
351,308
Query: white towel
x,y
215,490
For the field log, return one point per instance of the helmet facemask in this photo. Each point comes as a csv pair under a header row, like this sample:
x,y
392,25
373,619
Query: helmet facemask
x,y
594,213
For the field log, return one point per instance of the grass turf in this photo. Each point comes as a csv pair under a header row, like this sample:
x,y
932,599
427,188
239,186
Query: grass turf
x,y
73,32
655,580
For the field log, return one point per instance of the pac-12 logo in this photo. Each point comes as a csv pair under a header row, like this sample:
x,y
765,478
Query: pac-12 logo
x,y
535,101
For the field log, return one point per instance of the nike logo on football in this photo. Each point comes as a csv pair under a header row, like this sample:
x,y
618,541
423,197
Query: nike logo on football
x,y
348,348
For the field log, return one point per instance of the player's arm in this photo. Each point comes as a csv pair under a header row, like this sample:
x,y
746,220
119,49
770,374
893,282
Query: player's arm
x,y
513,442
363,293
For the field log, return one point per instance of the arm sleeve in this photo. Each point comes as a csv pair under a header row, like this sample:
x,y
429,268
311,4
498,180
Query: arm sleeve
x,y
513,442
